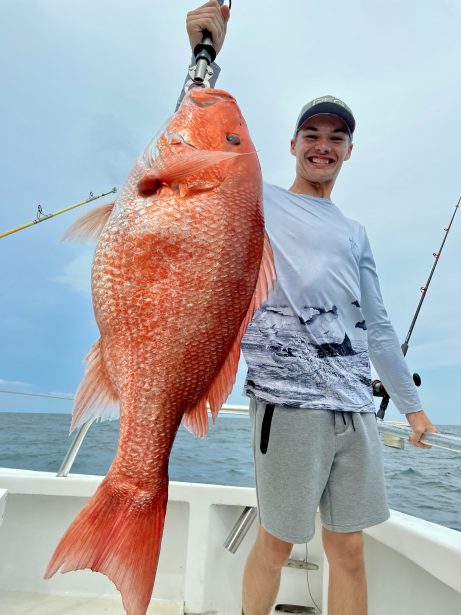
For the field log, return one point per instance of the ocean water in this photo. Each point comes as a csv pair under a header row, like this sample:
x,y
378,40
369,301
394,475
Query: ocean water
x,y
423,483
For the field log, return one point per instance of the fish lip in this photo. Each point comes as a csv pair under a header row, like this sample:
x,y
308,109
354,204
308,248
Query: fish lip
x,y
206,97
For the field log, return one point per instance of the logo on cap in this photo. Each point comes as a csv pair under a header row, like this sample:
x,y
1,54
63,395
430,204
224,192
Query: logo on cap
x,y
326,105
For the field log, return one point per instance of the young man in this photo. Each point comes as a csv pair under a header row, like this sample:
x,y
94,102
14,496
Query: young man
x,y
315,438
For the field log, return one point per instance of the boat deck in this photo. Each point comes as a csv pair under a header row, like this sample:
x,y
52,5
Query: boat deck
x,y
418,560
23,603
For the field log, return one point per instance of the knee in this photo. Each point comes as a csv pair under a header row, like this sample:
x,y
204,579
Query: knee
x,y
273,553
344,550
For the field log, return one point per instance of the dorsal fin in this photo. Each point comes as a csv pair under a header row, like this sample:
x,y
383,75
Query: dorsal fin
x,y
88,228
196,420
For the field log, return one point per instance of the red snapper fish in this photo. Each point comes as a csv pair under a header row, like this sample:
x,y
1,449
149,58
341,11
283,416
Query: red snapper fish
x,y
181,265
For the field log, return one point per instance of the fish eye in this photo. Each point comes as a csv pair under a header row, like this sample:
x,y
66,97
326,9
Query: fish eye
x,y
234,139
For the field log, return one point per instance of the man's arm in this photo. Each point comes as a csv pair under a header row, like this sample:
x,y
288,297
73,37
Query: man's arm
x,y
212,17
385,351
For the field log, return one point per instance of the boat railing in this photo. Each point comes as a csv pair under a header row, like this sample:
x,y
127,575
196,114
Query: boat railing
x,y
399,431
72,452
403,432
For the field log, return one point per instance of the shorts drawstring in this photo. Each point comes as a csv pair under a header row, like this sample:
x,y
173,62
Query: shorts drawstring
x,y
352,419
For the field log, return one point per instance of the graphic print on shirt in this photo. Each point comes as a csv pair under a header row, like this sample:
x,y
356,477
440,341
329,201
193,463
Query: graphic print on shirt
x,y
311,344
305,360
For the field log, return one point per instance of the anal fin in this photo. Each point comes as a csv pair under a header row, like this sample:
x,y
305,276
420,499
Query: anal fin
x,y
95,397
196,420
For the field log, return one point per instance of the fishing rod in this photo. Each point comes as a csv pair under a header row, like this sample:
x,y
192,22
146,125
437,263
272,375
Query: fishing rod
x,y
41,217
377,385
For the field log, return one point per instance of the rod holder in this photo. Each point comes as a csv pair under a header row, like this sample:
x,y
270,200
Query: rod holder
x,y
240,529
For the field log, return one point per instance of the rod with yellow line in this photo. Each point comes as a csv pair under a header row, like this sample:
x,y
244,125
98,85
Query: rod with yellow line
x,y
41,217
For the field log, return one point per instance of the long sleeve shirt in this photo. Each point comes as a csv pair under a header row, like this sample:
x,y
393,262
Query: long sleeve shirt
x,y
309,345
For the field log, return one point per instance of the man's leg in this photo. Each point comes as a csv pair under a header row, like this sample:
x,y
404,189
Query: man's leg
x,y
347,590
261,579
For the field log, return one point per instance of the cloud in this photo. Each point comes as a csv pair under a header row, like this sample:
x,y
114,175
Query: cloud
x,y
14,383
77,274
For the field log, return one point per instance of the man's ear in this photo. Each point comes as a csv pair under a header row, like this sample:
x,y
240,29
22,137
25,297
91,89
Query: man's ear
x,y
348,155
292,147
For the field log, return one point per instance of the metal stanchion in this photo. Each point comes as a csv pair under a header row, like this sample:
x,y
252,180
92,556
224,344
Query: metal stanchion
x,y
74,448
240,529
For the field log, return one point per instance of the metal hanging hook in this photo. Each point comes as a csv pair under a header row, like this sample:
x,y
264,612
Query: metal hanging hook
x,y
205,55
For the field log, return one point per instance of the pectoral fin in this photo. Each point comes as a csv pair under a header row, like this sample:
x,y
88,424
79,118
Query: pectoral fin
x,y
177,167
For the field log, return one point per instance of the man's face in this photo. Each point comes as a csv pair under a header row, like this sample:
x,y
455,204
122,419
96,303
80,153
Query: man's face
x,y
321,146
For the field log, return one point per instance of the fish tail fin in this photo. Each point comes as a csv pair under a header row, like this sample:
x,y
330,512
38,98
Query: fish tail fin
x,y
96,397
87,228
120,536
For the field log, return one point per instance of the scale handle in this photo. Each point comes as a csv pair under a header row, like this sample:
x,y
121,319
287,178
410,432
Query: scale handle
x,y
205,54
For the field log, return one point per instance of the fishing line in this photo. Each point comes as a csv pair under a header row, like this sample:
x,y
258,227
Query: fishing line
x,y
36,394
307,580
41,217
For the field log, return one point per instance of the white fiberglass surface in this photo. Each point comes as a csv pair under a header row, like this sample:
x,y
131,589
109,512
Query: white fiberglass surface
x,y
23,603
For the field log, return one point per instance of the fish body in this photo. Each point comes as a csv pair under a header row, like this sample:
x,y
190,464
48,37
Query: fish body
x,y
181,264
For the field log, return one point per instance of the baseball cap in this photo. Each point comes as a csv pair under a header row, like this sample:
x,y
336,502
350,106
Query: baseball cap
x,y
326,105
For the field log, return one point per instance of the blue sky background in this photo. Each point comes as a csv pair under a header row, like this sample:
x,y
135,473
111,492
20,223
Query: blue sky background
x,y
84,86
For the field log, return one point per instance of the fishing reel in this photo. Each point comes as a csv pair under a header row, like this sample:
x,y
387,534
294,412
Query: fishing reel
x,y
379,391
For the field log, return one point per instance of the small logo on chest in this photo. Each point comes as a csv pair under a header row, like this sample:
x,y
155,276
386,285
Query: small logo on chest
x,y
354,247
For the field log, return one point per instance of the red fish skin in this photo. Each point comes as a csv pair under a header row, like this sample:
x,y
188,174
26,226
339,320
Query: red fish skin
x,y
172,280
173,276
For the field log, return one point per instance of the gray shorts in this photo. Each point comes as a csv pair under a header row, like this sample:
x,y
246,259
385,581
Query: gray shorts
x,y
306,459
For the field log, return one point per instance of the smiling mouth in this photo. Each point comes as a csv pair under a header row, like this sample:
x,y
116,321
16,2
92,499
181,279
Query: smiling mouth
x,y
321,162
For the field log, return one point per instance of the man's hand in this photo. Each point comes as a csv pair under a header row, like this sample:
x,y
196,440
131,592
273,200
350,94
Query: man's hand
x,y
420,423
212,17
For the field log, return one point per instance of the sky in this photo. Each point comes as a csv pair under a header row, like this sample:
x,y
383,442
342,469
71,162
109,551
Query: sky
x,y
85,85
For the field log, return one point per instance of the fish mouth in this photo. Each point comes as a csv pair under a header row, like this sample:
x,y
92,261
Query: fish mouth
x,y
206,97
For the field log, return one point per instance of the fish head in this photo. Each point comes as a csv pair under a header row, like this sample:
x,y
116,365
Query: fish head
x,y
204,144
210,119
